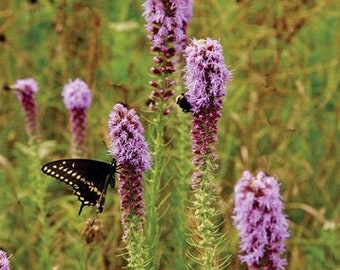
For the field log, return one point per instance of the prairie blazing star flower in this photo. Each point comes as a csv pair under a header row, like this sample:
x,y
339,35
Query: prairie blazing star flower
x,y
131,152
4,261
167,22
259,219
77,98
25,90
205,78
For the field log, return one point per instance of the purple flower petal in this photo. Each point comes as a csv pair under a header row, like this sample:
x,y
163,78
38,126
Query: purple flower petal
x,y
4,261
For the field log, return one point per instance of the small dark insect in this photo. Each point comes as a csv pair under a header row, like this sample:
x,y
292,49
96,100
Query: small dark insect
x,y
182,101
6,87
124,104
150,103
88,178
2,38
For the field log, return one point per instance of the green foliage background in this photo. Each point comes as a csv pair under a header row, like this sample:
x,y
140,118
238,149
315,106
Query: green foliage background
x,y
281,115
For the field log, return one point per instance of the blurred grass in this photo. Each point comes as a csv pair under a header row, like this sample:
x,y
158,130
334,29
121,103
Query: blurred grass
x,y
281,114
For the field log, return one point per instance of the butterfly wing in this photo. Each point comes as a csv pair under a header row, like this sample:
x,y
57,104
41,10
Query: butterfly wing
x,y
88,178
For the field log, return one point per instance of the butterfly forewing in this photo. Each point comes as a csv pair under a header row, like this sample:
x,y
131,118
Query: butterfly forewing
x,y
88,178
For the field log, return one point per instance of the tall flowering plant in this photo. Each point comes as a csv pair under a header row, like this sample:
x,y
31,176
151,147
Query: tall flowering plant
x,y
77,99
206,77
167,22
131,152
25,90
259,219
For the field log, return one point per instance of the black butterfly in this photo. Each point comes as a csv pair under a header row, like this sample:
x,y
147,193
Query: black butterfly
x,y
182,101
88,178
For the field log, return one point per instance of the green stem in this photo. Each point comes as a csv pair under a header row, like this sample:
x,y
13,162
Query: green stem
x,y
152,191
209,243
38,187
179,192
135,245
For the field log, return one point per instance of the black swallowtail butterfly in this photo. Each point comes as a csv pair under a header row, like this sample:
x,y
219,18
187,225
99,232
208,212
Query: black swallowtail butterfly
x,y
88,178
183,103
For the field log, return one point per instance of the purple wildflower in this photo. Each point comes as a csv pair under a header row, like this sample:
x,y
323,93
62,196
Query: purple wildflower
x,y
259,219
167,22
131,152
77,98
205,78
206,75
25,90
4,261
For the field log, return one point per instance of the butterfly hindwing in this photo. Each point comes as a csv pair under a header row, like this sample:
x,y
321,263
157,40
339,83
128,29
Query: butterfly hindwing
x,y
88,178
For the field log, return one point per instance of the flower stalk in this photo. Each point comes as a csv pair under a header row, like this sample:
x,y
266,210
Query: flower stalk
x,y
166,22
205,78
77,99
130,150
25,90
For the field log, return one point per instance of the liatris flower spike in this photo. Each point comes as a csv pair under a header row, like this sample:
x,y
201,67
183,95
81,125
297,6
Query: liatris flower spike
x,y
167,23
131,152
259,219
4,261
206,77
25,90
77,98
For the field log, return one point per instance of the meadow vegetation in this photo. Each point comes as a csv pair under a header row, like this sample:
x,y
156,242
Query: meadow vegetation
x,y
280,116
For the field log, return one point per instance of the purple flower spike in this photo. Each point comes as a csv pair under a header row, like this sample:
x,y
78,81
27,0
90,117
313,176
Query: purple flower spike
x,y
77,95
205,78
25,90
131,152
206,75
259,219
77,98
167,23
4,261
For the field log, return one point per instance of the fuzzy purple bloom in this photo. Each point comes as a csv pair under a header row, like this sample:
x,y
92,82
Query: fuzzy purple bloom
x,y
77,95
206,75
259,219
131,152
205,78
77,98
25,90
167,22
4,261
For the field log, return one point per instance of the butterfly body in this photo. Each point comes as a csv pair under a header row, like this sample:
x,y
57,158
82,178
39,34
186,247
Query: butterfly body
x,y
88,178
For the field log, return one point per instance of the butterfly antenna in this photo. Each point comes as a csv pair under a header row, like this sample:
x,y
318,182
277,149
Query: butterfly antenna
x,y
106,148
